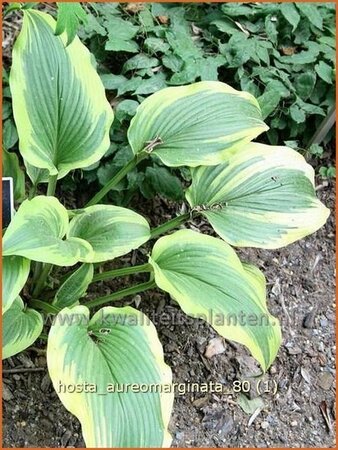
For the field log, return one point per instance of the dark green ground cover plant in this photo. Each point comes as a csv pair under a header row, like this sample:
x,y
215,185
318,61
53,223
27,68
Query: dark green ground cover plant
x,y
252,194
282,53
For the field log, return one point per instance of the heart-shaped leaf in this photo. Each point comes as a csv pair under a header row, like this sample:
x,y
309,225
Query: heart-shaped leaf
x,y
263,196
59,104
205,276
112,231
117,349
195,125
36,232
21,327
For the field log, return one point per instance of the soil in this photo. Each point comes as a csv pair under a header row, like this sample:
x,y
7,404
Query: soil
x,y
300,414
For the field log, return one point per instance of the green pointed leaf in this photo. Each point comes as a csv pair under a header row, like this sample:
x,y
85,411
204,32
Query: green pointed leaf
x,y
9,134
36,232
205,276
158,180
325,72
118,346
15,271
291,14
61,112
305,83
74,287
263,196
11,168
196,124
111,231
21,328
312,13
70,15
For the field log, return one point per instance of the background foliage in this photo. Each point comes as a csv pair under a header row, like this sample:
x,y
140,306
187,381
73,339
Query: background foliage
x,y
283,53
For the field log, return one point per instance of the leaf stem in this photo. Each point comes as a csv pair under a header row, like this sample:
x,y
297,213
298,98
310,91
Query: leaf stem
x,y
52,180
116,179
40,284
122,272
121,294
170,225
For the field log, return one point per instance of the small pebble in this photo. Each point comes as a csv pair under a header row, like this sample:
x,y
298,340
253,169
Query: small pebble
x,y
294,423
264,425
325,380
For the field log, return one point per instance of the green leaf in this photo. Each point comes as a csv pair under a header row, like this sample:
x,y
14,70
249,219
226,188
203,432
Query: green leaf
x,y
129,86
151,85
6,109
180,40
208,67
36,175
15,271
11,168
194,125
172,62
297,114
305,83
36,232
263,196
115,44
291,14
75,286
126,109
140,61
269,101
204,275
70,15
21,328
225,25
117,347
121,33
304,57
309,108
61,112
110,230
112,82
163,182
271,28
312,13
325,72
9,134
156,45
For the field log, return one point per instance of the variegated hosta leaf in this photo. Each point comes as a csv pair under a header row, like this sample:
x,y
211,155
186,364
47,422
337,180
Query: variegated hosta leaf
x,y
36,232
21,328
117,347
205,276
195,125
74,287
59,104
112,231
15,271
262,196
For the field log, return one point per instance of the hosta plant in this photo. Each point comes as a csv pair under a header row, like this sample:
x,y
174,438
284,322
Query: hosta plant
x,y
251,194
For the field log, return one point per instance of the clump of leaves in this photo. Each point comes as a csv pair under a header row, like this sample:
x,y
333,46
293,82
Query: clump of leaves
x,y
284,54
106,363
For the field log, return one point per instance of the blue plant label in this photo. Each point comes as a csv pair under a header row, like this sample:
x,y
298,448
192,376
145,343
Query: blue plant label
x,y
7,201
